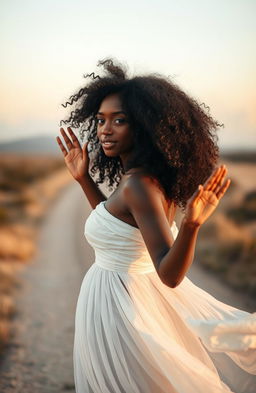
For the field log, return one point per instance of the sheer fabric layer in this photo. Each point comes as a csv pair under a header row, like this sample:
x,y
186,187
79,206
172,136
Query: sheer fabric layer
x,y
134,334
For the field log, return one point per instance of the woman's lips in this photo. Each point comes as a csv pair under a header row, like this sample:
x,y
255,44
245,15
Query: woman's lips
x,y
108,145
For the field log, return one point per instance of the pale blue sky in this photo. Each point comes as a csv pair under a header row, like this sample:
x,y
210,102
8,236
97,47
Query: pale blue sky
x,y
208,47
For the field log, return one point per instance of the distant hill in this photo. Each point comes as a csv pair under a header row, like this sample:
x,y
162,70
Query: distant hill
x,y
45,144
38,144
240,156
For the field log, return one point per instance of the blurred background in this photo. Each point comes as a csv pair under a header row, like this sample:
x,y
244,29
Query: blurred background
x,y
206,47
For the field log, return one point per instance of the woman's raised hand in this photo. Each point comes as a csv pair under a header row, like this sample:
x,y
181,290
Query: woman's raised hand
x,y
76,158
206,198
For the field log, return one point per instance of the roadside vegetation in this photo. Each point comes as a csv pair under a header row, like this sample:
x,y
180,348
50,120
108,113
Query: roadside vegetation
x,y
28,184
227,243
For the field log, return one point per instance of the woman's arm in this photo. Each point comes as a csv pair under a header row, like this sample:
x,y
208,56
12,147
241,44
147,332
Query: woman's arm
x,y
77,161
176,262
172,258
92,192
199,208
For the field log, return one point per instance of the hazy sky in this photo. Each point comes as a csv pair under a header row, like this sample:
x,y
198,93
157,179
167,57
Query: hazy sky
x,y
207,46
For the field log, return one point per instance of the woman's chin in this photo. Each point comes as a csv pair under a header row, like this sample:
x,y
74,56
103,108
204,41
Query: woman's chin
x,y
110,153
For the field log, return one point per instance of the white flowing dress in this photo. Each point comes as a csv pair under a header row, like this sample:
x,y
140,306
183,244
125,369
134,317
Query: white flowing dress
x,y
134,334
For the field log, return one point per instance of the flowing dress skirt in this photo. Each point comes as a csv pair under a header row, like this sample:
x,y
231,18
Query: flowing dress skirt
x,y
133,334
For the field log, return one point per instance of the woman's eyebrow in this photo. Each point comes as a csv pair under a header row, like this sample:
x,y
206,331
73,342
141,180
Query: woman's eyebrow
x,y
112,113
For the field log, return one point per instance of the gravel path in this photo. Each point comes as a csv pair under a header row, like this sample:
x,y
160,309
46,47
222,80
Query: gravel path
x,y
39,357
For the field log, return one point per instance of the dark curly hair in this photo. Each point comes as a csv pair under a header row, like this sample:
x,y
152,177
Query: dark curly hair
x,y
175,137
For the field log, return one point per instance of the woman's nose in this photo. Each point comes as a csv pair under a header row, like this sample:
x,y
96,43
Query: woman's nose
x,y
106,129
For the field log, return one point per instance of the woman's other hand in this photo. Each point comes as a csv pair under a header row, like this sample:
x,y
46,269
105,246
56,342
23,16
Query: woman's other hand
x,y
76,158
206,198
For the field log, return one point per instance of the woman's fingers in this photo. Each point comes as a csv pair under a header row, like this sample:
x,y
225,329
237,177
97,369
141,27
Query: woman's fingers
x,y
84,150
219,180
74,138
215,179
70,145
66,139
209,182
215,183
223,189
63,149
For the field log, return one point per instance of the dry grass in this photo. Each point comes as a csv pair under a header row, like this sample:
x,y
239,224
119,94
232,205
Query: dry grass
x,y
8,282
17,242
28,185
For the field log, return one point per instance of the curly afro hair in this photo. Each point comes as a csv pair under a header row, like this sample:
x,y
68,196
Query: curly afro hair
x,y
175,137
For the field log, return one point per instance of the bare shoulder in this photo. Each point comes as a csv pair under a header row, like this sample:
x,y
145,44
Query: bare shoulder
x,y
145,201
142,190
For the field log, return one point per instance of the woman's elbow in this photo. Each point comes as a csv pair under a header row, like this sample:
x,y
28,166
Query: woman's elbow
x,y
169,282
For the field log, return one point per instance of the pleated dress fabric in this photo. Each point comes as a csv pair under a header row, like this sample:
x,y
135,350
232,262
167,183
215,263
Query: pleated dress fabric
x,y
134,334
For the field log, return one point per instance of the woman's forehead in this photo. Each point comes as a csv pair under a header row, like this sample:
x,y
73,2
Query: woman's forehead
x,y
111,103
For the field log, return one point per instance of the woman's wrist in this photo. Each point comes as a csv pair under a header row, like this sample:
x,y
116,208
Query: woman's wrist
x,y
82,178
190,224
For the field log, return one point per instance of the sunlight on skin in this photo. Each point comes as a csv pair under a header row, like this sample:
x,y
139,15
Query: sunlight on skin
x,y
205,200
199,206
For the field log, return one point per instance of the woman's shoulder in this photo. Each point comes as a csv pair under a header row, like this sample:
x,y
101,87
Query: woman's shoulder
x,y
142,192
141,186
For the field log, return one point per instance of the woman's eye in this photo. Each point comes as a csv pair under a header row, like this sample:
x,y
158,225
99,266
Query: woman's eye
x,y
116,121
120,121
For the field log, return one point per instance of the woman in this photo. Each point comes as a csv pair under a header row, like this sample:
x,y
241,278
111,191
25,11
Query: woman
x,y
141,325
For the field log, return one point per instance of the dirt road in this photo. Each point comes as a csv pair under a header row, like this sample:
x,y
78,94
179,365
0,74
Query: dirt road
x,y
39,358
40,355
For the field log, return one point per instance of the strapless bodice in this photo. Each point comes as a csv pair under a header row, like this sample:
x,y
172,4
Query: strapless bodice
x,y
118,245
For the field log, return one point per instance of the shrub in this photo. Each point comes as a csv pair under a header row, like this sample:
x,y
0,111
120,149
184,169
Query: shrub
x,y
247,210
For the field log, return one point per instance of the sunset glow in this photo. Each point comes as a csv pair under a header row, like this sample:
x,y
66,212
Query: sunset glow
x,y
206,47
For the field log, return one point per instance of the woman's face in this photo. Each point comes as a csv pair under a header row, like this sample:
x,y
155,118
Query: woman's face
x,y
113,129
